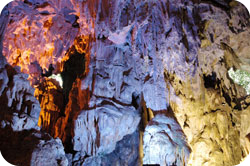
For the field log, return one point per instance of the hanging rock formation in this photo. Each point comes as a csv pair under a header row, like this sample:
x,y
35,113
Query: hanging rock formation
x,y
143,82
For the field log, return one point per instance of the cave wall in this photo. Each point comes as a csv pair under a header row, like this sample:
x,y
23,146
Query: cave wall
x,y
154,73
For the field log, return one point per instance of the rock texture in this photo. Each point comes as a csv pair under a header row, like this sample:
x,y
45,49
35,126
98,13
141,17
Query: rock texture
x,y
50,96
125,153
21,142
31,147
164,142
144,82
208,104
49,152
19,109
97,131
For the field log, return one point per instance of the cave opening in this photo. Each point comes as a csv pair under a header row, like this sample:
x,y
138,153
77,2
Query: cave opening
x,y
136,100
210,80
48,72
73,68
53,89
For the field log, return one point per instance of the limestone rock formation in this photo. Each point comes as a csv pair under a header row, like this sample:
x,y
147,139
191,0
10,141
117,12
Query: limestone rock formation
x,y
49,152
125,82
164,142
21,141
97,131
19,109
125,153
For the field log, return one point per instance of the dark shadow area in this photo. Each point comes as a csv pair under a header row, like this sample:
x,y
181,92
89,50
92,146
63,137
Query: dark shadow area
x,y
74,67
227,97
48,73
210,80
125,153
219,3
248,137
17,147
135,100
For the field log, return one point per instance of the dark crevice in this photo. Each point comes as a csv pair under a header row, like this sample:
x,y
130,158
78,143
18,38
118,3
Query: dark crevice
x,y
98,135
227,97
233,124
211,37
14,144
27,2
42,5
75,23
210,80
113,99
213,111
74,67
185,125
219,4
248,137
143,112
168,32
106,102
123,86
238,104
185,41
127,72
135,100
48,72
68,145
147,78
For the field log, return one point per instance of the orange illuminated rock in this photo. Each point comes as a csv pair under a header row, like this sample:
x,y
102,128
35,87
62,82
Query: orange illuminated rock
x,y
50,96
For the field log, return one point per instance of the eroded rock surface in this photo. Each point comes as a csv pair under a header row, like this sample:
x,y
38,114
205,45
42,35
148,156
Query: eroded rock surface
x,y
19,109
124,66
49,152
163,141
97,131
21,141
125,153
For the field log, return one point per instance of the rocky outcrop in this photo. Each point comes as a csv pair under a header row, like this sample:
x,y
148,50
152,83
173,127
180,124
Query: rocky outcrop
x,y
49,152
97,131
21,141
19,109
208,104
50,96
154,73
125,153
163,141
31,147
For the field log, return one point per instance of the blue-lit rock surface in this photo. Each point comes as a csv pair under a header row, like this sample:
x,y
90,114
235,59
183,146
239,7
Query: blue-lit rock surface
x,y
164,141
22,142
135,82
97,131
